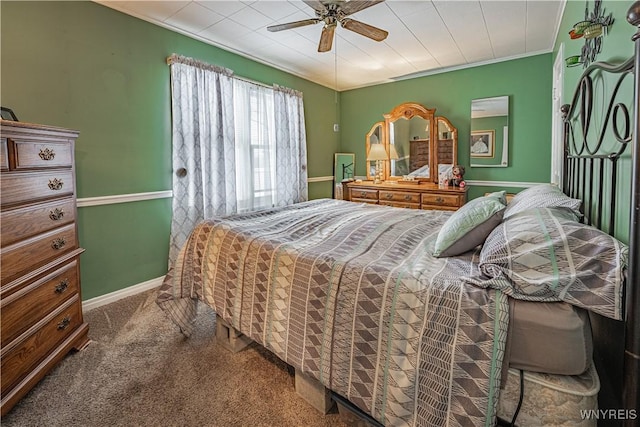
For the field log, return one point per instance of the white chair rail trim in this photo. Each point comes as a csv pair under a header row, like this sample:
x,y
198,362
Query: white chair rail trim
x,y
502,183
320,179
137,197
123,198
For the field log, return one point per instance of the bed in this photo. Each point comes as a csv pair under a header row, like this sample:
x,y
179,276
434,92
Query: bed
x,y
364,299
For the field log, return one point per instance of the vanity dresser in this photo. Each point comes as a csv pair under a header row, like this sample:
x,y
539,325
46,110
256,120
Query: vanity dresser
x,y
40,301
425,195
420,146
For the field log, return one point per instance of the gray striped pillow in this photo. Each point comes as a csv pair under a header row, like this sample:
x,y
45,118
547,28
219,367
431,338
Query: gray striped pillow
x,y
541,196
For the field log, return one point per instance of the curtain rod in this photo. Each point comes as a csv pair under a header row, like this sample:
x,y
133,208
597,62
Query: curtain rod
x,y
175,58
245,79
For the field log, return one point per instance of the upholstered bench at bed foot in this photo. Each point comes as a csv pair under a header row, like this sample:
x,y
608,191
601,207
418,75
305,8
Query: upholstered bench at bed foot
x,y
228,337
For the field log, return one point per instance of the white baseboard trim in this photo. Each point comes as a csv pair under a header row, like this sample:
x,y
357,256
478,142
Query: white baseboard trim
x,y
123,198
96,302
502,183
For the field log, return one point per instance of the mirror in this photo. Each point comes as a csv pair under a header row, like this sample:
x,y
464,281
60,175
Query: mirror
x,y
447,146
375,136
409,135
489,142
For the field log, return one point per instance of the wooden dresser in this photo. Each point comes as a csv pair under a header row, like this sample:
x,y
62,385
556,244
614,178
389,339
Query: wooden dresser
x,y
425,195
40,302
418,153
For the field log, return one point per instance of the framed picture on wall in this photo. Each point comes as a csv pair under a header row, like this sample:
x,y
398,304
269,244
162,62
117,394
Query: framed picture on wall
x,y
483,143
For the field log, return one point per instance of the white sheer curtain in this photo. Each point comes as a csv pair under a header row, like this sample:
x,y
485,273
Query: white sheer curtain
x,y
255,146
291,147
237,146
203,146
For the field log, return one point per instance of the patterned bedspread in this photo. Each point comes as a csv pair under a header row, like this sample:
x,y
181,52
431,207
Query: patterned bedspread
x,y
351,295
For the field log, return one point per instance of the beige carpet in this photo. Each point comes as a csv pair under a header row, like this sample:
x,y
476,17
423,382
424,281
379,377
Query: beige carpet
x,y
140,371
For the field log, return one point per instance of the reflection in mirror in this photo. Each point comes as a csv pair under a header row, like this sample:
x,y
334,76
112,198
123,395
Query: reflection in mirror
x,y
375,136
409,128
447,146
410,138
489,141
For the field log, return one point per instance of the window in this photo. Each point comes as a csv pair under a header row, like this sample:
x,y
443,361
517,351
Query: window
x,y
255,145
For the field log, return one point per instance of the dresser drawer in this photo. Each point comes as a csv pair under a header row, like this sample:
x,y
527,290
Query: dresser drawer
x,y
4,157
24,255
451,200
24,354
399,196
400,204
20,223
39,154
421,150
364,193
27,306
21,187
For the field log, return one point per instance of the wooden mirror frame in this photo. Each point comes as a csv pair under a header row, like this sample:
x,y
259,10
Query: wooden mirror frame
x,y
407,111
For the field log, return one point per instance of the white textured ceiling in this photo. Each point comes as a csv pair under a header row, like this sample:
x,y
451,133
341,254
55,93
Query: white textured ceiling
x,y
424,36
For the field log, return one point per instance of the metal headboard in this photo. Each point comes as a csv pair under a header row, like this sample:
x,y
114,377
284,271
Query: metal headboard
x,y
593,153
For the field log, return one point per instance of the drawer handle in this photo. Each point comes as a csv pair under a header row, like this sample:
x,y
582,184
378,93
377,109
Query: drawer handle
x,y
407,197
64,323
439,200
56,214
55,184
363,194
47,154
389,196
58,243
62,286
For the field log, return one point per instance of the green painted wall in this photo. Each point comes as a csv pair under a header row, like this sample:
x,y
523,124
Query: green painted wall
x,y
526,81
616,44
87,67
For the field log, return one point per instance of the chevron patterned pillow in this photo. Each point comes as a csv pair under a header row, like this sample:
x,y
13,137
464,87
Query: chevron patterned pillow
x,y
544,254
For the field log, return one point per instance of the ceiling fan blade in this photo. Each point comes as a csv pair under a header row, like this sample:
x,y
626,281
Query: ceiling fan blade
x,y
316,4
295,24
326,39
364,29
354,6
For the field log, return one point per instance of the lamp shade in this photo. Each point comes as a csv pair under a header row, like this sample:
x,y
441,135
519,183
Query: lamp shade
x,y
393,154
377,152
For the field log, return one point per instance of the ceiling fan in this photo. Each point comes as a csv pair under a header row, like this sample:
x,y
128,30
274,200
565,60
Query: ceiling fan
x,y
330,12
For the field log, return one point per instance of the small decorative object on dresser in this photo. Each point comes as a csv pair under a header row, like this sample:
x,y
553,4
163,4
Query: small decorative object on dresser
x,y
40,299
458,176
